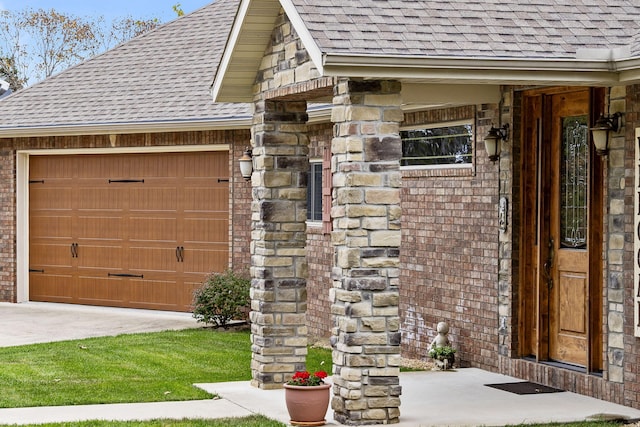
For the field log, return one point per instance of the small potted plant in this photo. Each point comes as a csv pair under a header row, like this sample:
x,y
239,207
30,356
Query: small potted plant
x,y
307,398
444,356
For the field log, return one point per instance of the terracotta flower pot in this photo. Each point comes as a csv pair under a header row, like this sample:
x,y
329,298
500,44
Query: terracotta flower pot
x,y
307,405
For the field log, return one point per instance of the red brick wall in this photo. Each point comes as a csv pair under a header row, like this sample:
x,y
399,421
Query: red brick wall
x,y
449,250
319,252
7,223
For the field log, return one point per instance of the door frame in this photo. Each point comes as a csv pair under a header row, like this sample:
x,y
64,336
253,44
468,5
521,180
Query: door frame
x,y
22,194
533,325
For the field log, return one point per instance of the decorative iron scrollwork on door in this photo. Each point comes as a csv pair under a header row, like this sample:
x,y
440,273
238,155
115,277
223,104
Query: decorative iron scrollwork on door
x,y
574,182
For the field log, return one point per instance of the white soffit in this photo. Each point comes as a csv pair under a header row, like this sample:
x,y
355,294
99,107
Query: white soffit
x,y
244,50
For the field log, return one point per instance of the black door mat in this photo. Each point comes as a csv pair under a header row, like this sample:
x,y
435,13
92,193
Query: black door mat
x,y
525,387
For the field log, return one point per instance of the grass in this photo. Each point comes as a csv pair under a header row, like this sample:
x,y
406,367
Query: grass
x,y
152,367
128,368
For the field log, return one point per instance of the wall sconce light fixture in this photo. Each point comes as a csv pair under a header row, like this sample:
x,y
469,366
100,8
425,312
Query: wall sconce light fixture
x,y
601,130
492,141
246,164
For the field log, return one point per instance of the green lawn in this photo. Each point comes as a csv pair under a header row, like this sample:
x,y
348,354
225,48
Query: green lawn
x,y
149,367
128,368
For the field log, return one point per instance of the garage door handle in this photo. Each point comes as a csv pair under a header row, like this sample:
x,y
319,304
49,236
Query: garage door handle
x,y
137,276
74,250
180,253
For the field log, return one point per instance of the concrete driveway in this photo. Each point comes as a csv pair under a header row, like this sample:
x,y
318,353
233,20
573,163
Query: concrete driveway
x,y
33,322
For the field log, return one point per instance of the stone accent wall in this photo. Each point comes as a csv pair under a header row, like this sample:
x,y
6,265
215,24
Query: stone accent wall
x,y
620,285
366,220
239,194
614,240
286,68
278,241
449,255
508,187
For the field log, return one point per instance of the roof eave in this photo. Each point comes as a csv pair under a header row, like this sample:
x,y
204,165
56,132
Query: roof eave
x,y
226,123
455,70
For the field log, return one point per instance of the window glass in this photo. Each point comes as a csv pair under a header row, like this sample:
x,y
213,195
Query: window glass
x,y
314,192
444,144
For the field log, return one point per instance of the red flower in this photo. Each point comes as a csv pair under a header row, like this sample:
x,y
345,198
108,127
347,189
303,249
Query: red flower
x,y
301,375
304,378
321,374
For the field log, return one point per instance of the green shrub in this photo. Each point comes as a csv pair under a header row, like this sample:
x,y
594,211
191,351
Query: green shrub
x,y
222,298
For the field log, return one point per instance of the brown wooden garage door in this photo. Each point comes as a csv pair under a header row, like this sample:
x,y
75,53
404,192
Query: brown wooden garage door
x,y
130,230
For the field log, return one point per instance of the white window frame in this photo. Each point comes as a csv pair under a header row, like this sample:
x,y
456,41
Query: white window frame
x,y
310,183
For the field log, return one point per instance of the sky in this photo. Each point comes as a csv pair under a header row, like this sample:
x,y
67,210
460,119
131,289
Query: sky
x,y
110,9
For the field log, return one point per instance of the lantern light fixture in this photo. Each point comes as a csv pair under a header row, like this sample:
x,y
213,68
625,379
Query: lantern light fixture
x,y
492,141
602,129
246,164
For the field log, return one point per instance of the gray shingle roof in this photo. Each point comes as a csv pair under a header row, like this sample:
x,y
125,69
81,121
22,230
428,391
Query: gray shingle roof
x,y
163,75
471,28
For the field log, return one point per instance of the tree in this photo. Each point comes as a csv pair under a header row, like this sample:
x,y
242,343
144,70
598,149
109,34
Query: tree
x,y
35,44
177,8
59,40
9,73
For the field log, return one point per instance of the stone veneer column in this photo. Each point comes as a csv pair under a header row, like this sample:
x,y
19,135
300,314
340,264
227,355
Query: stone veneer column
x,y
366,152
278,239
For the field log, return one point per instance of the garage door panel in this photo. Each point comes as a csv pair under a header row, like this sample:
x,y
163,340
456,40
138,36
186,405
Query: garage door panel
x,y
206,199
91,256
101,290
206,230
153,229
50,255
155,165
204,261
98,227
145,259
154,294
202,164
41,167
51,287
96,166
43,198
101,199
50,227
154,200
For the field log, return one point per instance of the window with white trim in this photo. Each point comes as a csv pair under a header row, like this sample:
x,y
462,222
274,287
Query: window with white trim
x,y
438,145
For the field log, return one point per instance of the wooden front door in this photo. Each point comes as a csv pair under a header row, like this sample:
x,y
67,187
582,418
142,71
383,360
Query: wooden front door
x,y
567,265
561,239
127,230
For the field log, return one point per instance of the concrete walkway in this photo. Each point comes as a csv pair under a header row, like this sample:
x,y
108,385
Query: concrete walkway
x,y
34,322
452,398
